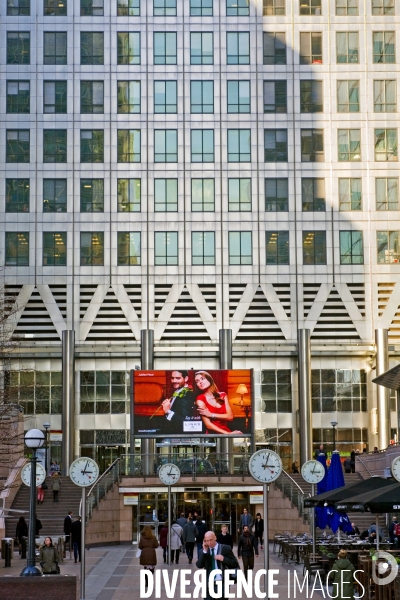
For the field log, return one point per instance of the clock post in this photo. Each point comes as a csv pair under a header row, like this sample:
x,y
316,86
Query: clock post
x,y
169,474
313,472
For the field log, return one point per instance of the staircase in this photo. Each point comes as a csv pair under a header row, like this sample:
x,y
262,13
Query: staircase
x,y
50,513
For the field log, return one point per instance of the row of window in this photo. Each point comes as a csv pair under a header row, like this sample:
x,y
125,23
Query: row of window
x,y
201,96
276,193
165,50
201,145
166,248
203,8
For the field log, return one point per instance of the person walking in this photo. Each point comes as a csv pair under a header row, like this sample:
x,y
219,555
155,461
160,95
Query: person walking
x,y
343,580
215,556
353,461
224,537
67,527
245,519
175,541
21,531
258,532
247,549
148,544
182,520
76,537
189,538
40,493
164,540
201,531
38,526
55,486
49,557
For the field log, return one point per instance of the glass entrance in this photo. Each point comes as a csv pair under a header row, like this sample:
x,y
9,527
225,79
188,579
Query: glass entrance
x,y
106,456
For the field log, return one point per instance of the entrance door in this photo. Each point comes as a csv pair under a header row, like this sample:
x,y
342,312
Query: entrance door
x,y
106,456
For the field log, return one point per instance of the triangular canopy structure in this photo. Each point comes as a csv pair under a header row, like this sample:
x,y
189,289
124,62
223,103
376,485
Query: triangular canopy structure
x,y
348,491
378,501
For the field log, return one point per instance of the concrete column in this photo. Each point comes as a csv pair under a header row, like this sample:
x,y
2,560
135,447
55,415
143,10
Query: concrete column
x,y
147,349
68,399
148,452
382,393
225,348
226,453
305,407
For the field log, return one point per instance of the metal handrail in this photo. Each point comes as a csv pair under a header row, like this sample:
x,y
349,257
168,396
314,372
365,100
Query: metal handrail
x,y
99,489
290,489
365,466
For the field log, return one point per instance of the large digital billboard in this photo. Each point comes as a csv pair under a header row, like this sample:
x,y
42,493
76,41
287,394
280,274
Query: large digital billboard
x,y
191,403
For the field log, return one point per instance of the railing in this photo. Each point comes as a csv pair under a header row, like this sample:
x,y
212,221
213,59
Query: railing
x,y
104,483
290,489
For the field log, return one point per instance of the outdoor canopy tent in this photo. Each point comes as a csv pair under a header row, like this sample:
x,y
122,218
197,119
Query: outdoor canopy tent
x,y
348,491
378,501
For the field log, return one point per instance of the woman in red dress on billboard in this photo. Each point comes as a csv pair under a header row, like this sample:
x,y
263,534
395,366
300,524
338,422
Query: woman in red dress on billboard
x,y
213,405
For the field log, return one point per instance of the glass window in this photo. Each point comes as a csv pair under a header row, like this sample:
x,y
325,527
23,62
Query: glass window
x,y
312,145
348,95
54,145
203,195
128,95
201,97
17,249
314,248
128,248
313,194
165,145
203,248
17,195
92,195
165,48
276,194
165,97
18,48
54,249
128,48
237,8
383,7
92,249
129,195
238,48
55,48
128,145
350,193
92,145
239,194
388,247
275,145
273,8
349,144
384,46
238,96
386,145
166,195
165,248
346,8
164,8
18,145
201,49
202,145
239,145
240,248
275,96
274,48
310,7
54,195
128,8
201,8
276,393
385,95
311,48
92,48
54,97
18,97
351,248
277,247
347,47
92,97
341,390
55,8
18,8
387,194
311,96
92,8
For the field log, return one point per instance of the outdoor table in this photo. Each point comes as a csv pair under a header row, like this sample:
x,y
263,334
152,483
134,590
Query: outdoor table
x,y
298,545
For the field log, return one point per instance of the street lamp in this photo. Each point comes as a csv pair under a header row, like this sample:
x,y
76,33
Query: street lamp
x,y
334,425
34,439
46,464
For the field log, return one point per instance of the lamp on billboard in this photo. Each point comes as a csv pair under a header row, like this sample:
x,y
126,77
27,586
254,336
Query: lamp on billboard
x,y
245,406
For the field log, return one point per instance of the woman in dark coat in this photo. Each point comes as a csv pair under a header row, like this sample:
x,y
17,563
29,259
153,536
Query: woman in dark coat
x,y
21,531
344,572
148,544
164,540
48,557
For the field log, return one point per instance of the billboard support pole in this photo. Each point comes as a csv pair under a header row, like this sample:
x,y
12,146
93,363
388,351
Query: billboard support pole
x,y
225,349
169,525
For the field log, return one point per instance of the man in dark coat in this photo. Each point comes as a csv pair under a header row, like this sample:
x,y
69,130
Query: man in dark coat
x,y
224,537
76,536
245,519
246,549
201,531
67,526
181,407
215,556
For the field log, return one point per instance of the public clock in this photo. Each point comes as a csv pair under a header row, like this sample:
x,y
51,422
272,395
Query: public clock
x,y
395,468
26,474
84,471
313,471
169,473
265,466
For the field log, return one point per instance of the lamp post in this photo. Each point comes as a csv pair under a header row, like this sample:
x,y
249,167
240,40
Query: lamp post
x,y
334,425
34,439
46,464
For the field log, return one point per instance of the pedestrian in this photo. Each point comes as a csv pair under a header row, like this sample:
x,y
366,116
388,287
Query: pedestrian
x,y
347,464
67,527
40,493
245,519
76,537
38,526
343,579
189,538
182,520
164,540
224,537
258,531
247,549
392,529
148,544
55,486
396,534
175,541
354,530
49,557
54,467
321,450
353,461
201,531
21,531
214,555
295,467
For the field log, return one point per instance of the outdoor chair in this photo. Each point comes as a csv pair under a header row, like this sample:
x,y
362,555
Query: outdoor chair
x,y
312,569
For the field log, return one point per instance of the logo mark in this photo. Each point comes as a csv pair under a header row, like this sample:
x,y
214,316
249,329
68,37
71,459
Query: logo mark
x,y
384,568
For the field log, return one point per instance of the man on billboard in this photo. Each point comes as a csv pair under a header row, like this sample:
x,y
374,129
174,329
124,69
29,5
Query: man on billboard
x,y
181,405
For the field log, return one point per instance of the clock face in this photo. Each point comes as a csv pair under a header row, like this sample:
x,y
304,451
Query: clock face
x,y
313,471
26,474
84,471
395,468
169,474
265,466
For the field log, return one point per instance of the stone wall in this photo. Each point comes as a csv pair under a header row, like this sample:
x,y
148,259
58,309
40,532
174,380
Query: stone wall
x,y
62,587
111,521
